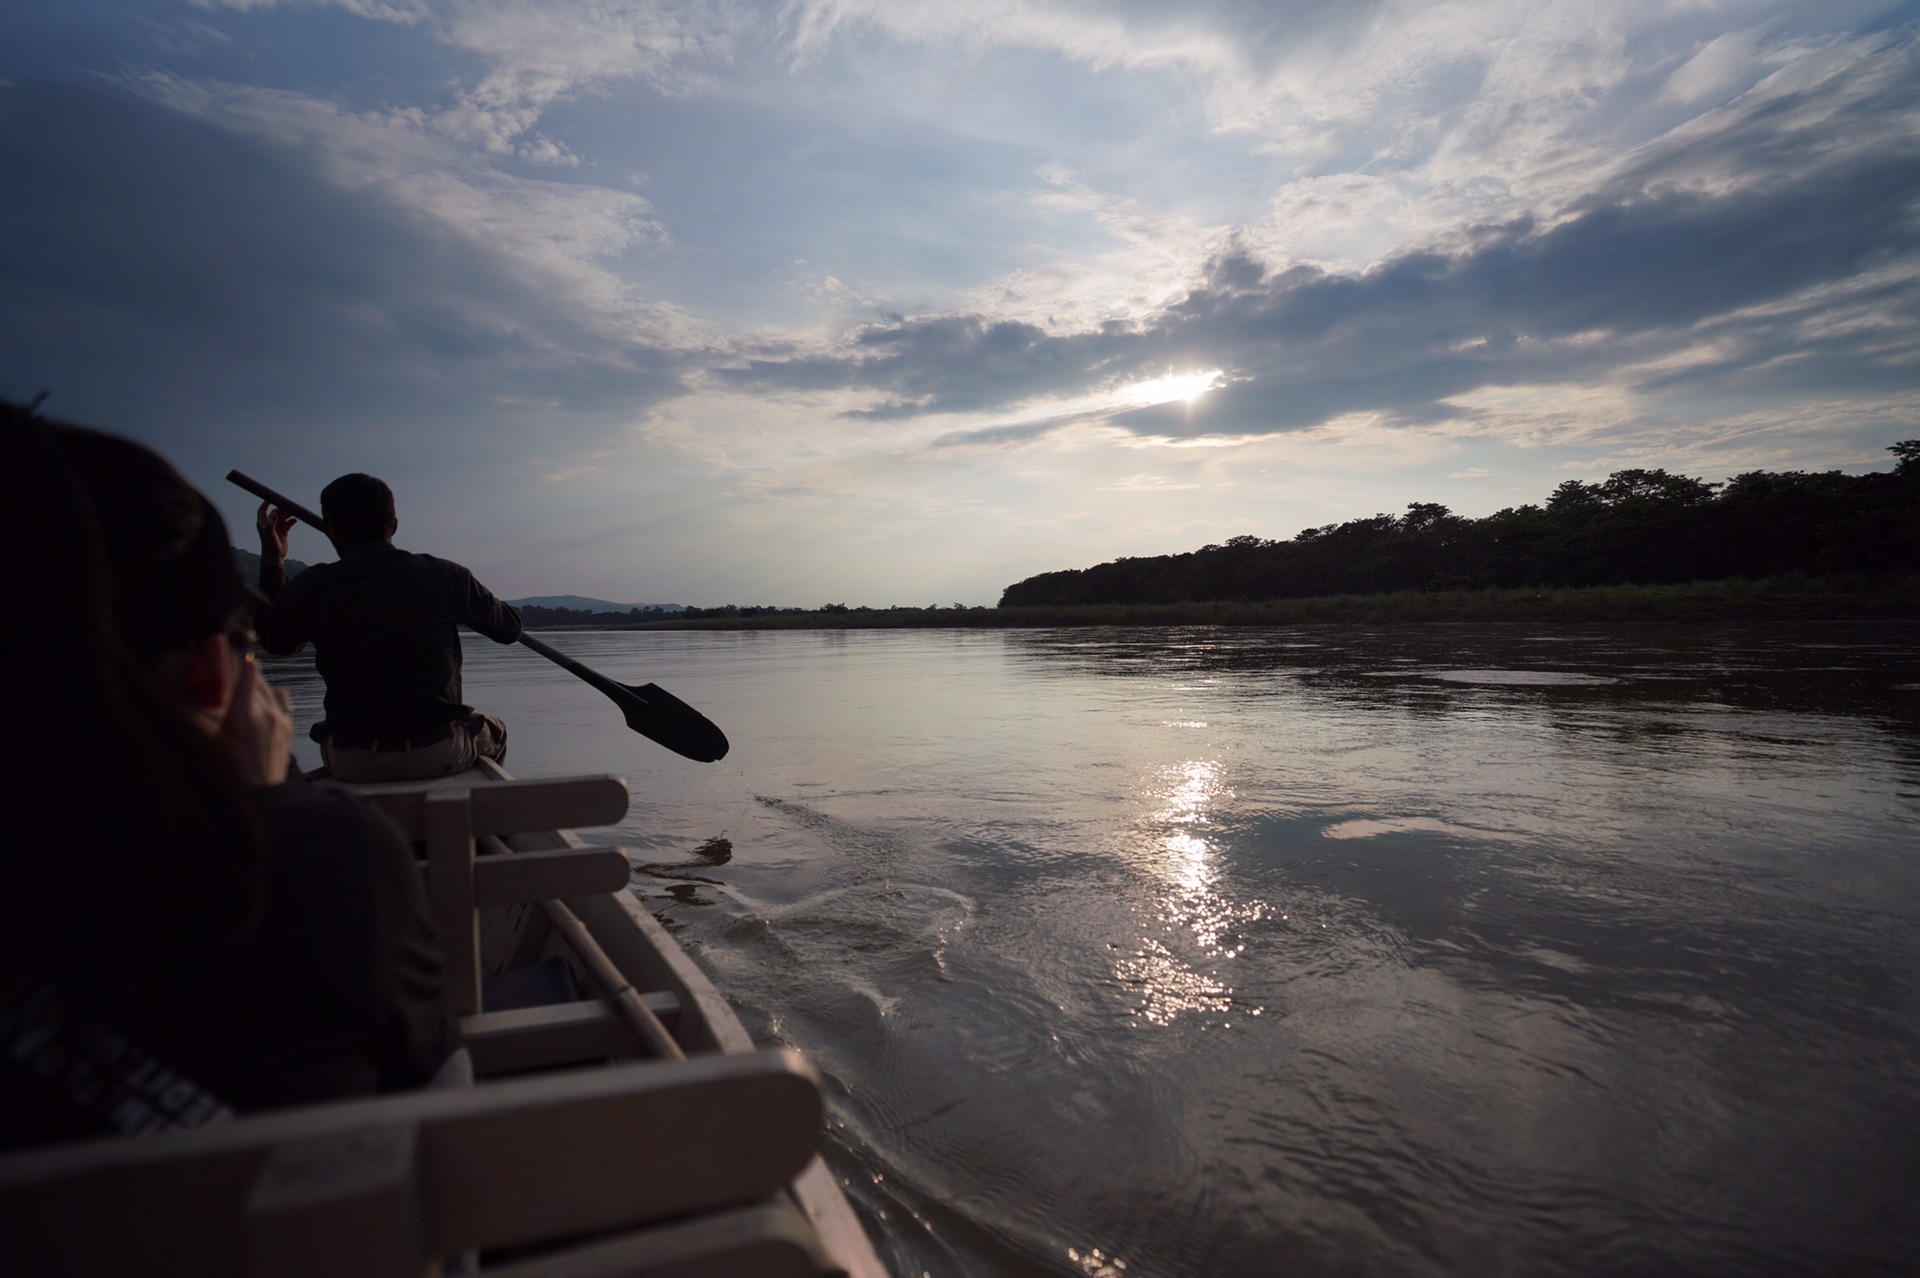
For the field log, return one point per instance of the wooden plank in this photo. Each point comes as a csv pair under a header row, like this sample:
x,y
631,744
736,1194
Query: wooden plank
x,y
834,1224
506,807
545,875
558,1034
561,1170
448,826
509,1163
548,876
767,1240
552,803
343,1203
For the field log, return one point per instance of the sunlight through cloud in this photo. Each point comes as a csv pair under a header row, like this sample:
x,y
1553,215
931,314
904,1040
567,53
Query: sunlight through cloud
x,y
1172,387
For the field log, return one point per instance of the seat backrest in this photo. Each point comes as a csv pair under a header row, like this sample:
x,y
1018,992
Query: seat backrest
x,y
382,1188
508,806
449,816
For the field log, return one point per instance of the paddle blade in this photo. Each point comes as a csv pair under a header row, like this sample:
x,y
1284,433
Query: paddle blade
x,y
658,715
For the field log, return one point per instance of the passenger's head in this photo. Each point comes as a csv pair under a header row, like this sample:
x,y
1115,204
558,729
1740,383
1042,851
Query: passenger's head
x,y
178,599
359,511
121,574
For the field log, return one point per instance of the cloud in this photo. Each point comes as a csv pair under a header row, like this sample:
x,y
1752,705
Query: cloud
x,y
1144,483
1723,64
1780,239
200,286
537,54
560,229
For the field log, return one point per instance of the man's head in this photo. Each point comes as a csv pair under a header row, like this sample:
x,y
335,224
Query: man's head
x,y
359,511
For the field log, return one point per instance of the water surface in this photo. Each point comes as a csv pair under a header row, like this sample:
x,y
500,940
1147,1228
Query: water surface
x,y
1436,950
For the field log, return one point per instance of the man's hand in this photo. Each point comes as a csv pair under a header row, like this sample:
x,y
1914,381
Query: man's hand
x,y
274,525
258,729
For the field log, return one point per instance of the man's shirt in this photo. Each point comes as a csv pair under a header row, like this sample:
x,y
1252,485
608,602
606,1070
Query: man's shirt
x,y
385,626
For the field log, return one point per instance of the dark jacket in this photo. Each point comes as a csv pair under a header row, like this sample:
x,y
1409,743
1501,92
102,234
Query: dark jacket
x,y
385,626
334,991
337,991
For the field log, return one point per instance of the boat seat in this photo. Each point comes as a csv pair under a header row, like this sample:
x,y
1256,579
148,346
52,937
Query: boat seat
x,y
537,1016
455,820
385,1187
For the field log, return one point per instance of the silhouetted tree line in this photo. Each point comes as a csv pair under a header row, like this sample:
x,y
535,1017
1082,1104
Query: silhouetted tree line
x,y
736,610
1639,527
534,615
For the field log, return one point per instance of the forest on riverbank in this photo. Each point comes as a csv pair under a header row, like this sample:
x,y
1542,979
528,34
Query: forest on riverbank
x,y
1638,527
1791,597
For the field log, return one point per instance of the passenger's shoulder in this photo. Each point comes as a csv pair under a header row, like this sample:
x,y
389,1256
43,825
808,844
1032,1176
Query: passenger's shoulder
x,y
301,813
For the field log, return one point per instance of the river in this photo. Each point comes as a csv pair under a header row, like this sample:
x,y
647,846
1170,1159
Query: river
x,y
1428,950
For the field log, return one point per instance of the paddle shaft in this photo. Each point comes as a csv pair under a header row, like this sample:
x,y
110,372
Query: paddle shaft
x,y
265,493
585,674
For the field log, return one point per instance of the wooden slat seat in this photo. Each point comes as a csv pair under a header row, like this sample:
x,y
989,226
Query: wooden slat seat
x,y
455,819
768,1240
506,807
550,875
384,1187
557,1034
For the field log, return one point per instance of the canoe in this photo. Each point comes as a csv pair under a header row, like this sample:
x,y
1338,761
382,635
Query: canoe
x,y
622,1122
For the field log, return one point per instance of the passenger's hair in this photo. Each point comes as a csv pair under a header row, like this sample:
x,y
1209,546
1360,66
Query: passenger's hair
x,y
358,508
128,822
172,564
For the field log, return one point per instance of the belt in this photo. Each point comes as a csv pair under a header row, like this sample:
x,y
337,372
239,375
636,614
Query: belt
x,y
392,745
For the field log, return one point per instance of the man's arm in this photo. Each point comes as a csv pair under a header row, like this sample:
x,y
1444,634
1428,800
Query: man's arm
x,y
486,615
278,631
273,526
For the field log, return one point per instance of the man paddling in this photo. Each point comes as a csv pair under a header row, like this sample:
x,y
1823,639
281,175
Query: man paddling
x,y
385,627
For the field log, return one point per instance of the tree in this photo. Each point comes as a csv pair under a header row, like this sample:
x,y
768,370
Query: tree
x,y
1574,495
1654,485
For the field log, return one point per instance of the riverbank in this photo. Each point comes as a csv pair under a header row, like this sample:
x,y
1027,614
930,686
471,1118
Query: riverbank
x,y
1786,598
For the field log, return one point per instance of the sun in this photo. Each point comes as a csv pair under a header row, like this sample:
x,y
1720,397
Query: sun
x,y
1174,386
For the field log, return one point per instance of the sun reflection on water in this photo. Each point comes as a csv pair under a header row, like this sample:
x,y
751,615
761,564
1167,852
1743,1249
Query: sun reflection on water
x,y
1173,836
1186,861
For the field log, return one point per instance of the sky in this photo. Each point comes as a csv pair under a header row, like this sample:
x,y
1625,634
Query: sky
x,y
891,302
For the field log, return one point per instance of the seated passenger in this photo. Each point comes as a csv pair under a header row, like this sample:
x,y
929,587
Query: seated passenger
x,y
385,627
185,932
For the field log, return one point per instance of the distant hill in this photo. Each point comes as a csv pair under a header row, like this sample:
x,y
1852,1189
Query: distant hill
x,y
249,562
581,603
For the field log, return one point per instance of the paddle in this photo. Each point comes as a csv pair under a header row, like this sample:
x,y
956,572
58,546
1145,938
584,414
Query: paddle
x,y
649,710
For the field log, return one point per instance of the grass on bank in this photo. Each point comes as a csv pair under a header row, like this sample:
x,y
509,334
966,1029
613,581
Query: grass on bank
x,y
1791,597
